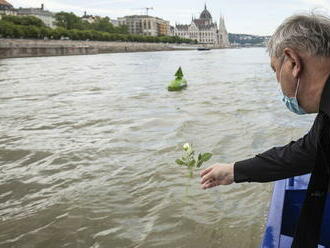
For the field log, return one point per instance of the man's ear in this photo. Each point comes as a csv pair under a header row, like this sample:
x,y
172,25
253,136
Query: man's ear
x,y
295,60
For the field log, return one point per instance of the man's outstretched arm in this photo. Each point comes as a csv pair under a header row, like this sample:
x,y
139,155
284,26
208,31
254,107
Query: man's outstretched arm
x,y
294,159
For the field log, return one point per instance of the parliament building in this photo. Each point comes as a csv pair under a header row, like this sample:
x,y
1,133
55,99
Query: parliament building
x,y
204,30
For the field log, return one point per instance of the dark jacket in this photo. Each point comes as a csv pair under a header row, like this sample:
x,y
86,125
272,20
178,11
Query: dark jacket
x,y
310,154
294,159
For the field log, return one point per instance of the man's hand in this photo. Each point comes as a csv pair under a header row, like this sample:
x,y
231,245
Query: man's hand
x,y
218,174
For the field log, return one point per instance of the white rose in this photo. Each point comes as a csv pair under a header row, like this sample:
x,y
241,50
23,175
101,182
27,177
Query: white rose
x,y
186,147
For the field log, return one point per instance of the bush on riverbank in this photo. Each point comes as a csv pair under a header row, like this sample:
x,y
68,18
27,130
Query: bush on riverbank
x,y
9,29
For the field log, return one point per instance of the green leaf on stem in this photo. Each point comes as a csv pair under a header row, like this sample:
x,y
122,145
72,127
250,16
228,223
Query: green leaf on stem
x,y
180,162
206,156
192,163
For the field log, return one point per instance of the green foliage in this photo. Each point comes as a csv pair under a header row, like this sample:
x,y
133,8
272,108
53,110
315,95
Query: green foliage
x,y
179,83
102,24
189,161
6,29
24,20
203,158
123,29
72,27
68,20
31,32
180,162
179,73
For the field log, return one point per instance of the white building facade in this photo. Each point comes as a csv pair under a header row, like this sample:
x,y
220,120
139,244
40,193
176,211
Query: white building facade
x,y
47,17
204,30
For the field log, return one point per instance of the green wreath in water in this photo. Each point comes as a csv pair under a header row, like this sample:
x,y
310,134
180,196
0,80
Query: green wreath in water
x,y
179,83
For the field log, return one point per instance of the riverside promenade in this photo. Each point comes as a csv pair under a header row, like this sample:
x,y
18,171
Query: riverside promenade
x,y
15,48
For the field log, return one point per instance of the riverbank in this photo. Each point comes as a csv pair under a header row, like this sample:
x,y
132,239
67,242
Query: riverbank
x,y
16,48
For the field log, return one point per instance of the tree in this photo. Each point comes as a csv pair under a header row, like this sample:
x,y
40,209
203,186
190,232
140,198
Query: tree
x,y
123,29
11,30
31,32
68,20
44,32
6,29
24,20
18,31
103,24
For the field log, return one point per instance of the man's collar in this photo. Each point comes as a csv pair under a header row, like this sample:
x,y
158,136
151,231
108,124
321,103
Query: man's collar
x,y
325,98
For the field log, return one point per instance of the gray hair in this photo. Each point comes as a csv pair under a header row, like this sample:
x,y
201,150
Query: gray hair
x,y
304,32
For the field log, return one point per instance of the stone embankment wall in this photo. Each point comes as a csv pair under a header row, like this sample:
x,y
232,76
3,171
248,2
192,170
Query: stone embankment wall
x,y
15,48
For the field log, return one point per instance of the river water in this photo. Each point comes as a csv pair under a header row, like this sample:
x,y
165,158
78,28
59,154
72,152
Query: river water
x,y
88,144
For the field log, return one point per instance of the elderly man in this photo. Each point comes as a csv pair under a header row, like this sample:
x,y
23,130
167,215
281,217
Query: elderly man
x,y
300,57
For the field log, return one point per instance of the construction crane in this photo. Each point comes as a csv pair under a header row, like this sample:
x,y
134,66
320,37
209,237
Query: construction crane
x,y
148,8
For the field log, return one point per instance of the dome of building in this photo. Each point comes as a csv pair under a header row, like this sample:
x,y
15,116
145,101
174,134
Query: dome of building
x,y
5,5
205,14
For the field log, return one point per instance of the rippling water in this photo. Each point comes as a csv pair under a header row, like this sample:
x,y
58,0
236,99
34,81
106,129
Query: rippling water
x,y
87,145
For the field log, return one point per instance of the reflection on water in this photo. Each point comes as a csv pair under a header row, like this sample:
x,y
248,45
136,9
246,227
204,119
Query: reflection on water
x,y
87,145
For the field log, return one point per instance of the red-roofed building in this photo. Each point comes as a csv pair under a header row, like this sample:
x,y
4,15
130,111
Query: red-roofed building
x,y
6,8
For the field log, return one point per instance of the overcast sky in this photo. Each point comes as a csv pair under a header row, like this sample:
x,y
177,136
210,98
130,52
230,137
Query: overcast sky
x,y
259,17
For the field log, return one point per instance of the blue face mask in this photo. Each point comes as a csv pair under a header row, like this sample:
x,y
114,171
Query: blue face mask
x,y
292,102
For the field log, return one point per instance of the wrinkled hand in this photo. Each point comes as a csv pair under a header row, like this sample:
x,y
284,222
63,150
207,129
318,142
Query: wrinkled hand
x,y
218,174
